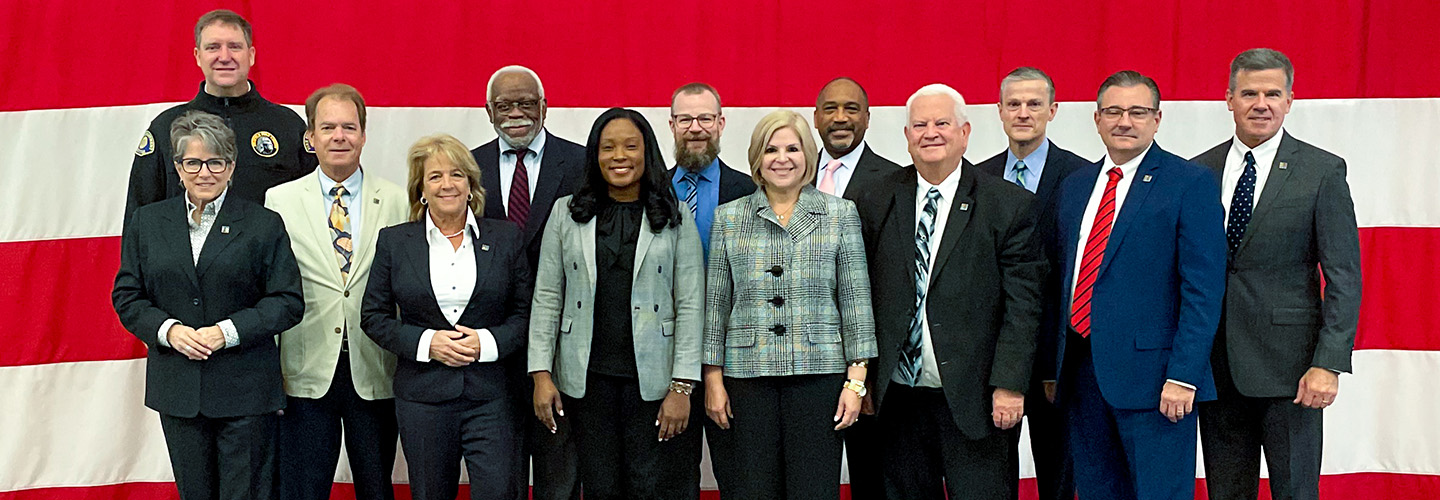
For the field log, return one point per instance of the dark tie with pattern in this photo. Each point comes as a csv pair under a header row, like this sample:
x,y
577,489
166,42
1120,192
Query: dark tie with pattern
x,y
519,204
1241,203
692,182
910,353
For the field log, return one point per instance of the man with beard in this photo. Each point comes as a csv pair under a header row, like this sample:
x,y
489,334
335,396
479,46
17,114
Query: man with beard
x,y
702,182
525,169
847,168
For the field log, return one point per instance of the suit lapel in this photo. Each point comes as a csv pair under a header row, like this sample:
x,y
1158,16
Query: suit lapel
x,y
957,220
487,157
318,232
1134,201
1288,152
552,169
484,242
178,229
642,246
221,234
587,247
419,261
371,229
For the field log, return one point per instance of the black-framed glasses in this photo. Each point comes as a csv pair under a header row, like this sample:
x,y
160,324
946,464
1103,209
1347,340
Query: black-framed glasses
x,y
528,105
193,165
1135,112
705,120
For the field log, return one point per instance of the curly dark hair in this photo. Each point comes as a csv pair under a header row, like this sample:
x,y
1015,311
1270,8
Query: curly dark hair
x,y
661,206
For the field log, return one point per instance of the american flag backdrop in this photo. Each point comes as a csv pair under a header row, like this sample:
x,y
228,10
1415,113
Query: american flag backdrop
x,y
79,82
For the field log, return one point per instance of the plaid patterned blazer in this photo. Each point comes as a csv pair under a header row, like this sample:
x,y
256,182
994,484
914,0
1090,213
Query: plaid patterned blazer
x,y
787,300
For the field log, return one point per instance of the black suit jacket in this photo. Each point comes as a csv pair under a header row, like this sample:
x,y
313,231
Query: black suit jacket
x,y
733,184
983,303
868,171
246,273
1278,322
400,279
562,169
1059,163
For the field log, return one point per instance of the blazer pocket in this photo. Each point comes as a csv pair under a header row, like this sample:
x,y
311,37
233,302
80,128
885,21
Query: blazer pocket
x,y
831,337
1154,339
667,328
565,325
740,338
1295,316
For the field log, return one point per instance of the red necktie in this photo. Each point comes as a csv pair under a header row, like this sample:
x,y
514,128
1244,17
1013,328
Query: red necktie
x,y
1094,254
519,206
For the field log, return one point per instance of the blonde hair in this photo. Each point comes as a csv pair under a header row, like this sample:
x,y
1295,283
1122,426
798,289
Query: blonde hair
x,y
450,148
774,122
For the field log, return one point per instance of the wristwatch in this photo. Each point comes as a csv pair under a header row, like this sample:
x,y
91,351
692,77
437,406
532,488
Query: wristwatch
x,y
858,386
681,387
863,363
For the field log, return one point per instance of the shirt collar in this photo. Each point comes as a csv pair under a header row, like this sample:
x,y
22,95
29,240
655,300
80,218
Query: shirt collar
x,y
435,237
850,160
352,183
211,208
1036,159
947,186
1130,167
1265,148
250,97
710,172
536,145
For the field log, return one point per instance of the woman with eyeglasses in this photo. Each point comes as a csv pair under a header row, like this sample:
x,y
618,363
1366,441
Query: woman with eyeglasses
x,y
207,282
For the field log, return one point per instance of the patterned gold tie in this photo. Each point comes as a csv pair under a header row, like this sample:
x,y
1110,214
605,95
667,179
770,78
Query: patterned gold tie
x,y
340,227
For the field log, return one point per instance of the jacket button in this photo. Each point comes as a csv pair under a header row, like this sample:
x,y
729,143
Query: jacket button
x,y
1233,271
195,301
347,293
778,329
337,329
777,301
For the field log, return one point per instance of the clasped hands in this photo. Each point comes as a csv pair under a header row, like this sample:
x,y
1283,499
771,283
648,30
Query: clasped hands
x,y
197,345
455,348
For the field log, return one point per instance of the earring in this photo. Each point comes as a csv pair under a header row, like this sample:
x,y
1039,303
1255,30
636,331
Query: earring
x,y
423,201
471,197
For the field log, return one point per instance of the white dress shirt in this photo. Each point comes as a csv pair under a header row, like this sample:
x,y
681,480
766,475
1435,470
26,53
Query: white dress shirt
x,y
848,164
532,168
1235,167
452,277
352,184
929,368
199,232
1122,189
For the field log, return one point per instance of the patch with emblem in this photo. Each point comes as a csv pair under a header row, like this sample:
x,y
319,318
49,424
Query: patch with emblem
x,y
308,148
264,144
147,145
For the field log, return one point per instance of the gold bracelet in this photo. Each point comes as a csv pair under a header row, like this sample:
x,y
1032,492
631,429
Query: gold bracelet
x,y
681,387
863,363
858,386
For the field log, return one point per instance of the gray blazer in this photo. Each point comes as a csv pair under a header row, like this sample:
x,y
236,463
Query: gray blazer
x,y
1278,320
667,296
792,300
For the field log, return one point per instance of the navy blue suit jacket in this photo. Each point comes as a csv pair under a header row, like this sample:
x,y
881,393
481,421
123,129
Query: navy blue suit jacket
x,y
1157,296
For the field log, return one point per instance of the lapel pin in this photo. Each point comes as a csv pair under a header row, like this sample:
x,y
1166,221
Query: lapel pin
x,y
1284,165
484,248
964,207
1146,178
224,229
375,201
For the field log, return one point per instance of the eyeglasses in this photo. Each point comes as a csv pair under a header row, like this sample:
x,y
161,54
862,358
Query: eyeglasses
x,y
193,165
528,105
1136,112
706,120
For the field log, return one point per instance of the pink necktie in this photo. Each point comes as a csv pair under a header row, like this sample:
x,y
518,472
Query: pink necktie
x,y
827,183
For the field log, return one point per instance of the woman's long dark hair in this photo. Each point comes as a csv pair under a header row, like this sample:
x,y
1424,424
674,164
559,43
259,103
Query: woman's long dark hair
x,y
661,206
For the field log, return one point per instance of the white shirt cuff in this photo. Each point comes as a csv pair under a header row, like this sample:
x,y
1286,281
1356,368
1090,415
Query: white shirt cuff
x,y
163,337
1181,384
232,338
489,352
422,352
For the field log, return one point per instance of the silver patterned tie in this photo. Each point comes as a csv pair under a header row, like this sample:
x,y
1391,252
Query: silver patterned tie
x,y
910,353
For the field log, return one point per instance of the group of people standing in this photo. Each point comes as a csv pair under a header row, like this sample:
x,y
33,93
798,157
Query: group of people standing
x,y
589,313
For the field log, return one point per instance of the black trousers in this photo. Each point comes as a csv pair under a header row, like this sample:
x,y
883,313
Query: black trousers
x,y
1235,428
310,437
864,452
926,455
222,458
552,456
784,428
621,456
1054,473
436,436
692,449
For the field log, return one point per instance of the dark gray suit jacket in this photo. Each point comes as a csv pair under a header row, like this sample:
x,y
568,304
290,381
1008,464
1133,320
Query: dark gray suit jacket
x,y
1278,322
562,169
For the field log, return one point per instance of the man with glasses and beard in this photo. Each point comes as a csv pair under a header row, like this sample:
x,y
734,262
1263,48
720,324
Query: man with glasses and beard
x,y
702,182
527,167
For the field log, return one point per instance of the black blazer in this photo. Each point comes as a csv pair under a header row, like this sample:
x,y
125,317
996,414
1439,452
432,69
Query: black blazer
x,y
400,278
1059,164
868,171
733,184
246,273
984,297
1278,322
562,169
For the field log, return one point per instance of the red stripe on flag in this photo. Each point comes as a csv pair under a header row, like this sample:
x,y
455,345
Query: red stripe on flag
x,y
57,292
756,52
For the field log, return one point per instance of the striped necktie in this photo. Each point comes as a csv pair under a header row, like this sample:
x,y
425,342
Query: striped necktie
x,y
1094,255
1020,170
910,352
691,180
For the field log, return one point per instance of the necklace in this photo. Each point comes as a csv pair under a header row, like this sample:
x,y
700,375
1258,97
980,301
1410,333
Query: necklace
x,y
457,233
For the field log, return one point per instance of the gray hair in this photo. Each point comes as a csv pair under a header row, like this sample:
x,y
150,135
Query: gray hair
x,y
939,89
1129,78
514,68
1026,74
1260,60
210,130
